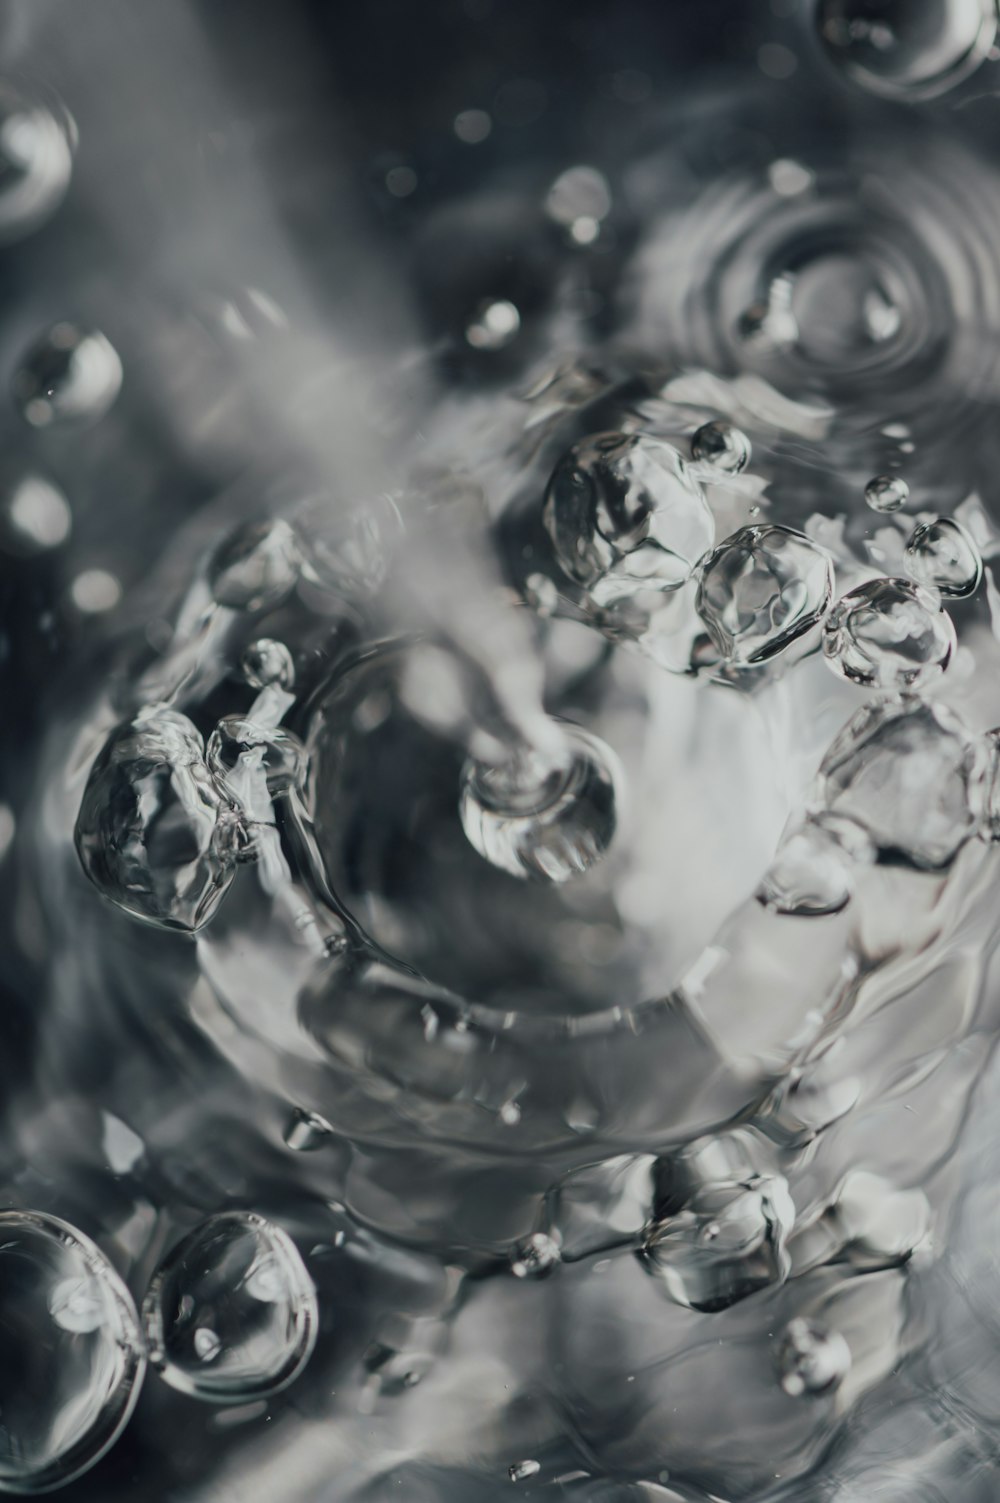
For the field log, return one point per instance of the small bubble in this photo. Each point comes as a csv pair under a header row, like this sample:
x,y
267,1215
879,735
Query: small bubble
x,y
887,493
943,555
789,179
724,447
37,517
889,634
911,49
579,193
401,181
810,875
69,375
267,662
472,126
207,1345
306,1131
810,1359
534,1257
493,326
761,590
95,591
520,1471
36,161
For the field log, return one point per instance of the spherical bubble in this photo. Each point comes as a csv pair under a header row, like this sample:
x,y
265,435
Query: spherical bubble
x,y
534,1256
811,874
942,554
762,589
724,447
267,662
810,1359
889,634
886,493
73,1361
231,1314
911,49
533,819
624,514
256,566
34,517
36,161
909,774
494,325
147,830
69,375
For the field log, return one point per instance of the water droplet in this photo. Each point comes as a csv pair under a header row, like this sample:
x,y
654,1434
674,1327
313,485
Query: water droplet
x,y
533,818
73,1362
908,774
256,566
36,162
624,514
239,1280
761,590
907,48
812,872
307,1131
534,1257
889,634
146,830
520,1471
36,517
267,662
810,1359
885,493
494,325
724,447
942,554
69,375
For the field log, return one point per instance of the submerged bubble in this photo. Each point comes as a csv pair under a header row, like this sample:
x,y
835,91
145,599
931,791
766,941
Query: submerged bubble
x,y
907,48
494,325
73,1362
812,872
761,589
36,162
256,566
942,554
241,752
36,516
533,818
520,1471
886,493
69,375
534,1256
811,1359
889,634
231,1315
267,662
724,447
624,514
306,1131
147,830
909,775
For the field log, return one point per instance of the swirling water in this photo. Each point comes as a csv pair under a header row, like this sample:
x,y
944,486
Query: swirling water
x,y
500,1007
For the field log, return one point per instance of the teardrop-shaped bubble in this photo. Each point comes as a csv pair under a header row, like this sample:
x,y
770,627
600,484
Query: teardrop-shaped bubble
x,y
625,514
36,161
533,818
69,375
726,448
231,1314
256,566
886,493
909,49
943,555
267,662
762,589
812,872
810,1359
910,775
889,634
148,830
72,1354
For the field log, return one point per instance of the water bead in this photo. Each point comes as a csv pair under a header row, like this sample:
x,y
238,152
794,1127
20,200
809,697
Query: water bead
x,y
36,162
762,589
149,821
69,375
73,1362
231,1315
267,662
256,566
886,493
533,818
810,1359
910,49
725,448
943,555
889,634
534,1256
624,514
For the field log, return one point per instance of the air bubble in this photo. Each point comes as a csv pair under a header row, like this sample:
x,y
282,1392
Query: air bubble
x,y
69,375
494,325
725,448
256,566
534,1257
909,49
240,751
36,517
520,1471
307,1131
811,1360
36,162
231,1315
266,662
73,1362
624,514
889,634
943,555
886,493
812,872
762,589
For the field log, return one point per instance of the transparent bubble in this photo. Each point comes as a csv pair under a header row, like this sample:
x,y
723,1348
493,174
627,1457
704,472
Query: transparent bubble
x,y
812,872
624,514
811,1359
147,830
73,1362
943,555
907,48
889,634
231,1314
306,1131
494,325
909,774
520,1471
35,517
69,375
721,445
267,662
36,161
886,493
240,750
256,566
534,1256
349,551
535,819
761,589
